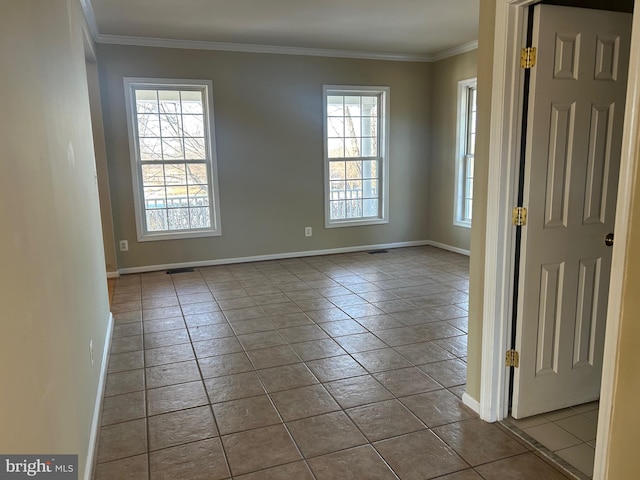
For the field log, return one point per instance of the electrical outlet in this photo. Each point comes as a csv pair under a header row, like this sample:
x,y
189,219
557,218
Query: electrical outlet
x,y
308,231
91,351
124,245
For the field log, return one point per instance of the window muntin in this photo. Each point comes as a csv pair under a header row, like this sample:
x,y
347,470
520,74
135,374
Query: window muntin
x,y
173,160
355,155
467,104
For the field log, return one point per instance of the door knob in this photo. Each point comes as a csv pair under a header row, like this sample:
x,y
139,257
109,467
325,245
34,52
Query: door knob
x,y
608,240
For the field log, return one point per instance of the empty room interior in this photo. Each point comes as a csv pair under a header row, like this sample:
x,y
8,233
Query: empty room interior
x,y
355,239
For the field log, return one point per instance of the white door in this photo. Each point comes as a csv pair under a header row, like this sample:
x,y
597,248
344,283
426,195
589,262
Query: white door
x,y
576,109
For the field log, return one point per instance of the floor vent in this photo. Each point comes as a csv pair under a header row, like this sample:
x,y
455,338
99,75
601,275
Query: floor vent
x,y
179,270
375,252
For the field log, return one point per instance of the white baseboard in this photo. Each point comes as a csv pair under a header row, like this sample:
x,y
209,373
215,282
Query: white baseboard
x,y
471,402
97,409
450,248
113,275
276,256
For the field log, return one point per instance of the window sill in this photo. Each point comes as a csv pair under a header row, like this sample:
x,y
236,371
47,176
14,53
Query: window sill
x,y
153,237
460,223
357,223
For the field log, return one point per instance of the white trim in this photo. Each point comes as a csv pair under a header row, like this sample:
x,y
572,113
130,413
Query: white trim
x,y
97,409
281,50
627,183
506,107
206,88
452,52
90,17
113,275
450,248
275,256
471,402
462,133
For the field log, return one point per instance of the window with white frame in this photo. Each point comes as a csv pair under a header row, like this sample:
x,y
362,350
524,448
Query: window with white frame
x,y
356,155
465,151
172,158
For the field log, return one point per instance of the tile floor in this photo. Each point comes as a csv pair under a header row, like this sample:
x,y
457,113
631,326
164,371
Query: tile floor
x,y
336,367
569,434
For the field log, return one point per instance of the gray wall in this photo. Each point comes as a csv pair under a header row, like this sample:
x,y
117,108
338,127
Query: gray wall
x,y
268,115
442,161
53,293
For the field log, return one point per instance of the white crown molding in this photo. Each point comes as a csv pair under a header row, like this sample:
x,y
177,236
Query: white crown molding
x,y
253,48
452,52
90,17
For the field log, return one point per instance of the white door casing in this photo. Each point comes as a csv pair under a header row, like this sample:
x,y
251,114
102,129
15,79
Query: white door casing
x,y
574,127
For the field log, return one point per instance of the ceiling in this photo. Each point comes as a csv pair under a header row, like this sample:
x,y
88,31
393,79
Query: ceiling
x,y
400,29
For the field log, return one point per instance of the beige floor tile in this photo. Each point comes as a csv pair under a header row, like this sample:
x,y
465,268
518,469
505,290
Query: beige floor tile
x,y
273,356
560,414
438,408
224,365
183,426
318,349
384,420
291,471
552,436
287,377
353,464
124,382
122,440
126,344
335,368
361,342
325,434
245,414
521,467
304,402
204,318
259,449
420,455
244,327
448,373
163,325
172,374
356,391
302,333
217,346
399,336
528,422
581,456
207,332
234,387
421,353
166,338
253,341
127,329
176,397
121,362
203,460
462,475
122,408
171,354
407,381
327,315
579,426
376,361
379,322
195,308
131,468
454,345
479,442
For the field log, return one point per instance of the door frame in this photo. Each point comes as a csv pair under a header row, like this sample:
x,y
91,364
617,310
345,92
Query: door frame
x,y
504,146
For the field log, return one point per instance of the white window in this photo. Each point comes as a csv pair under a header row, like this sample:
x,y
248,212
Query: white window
x,y
465,151
173,159
356,143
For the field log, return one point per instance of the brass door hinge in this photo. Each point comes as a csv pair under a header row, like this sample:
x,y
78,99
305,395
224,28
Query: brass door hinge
x,y
528,57
513,359
519,216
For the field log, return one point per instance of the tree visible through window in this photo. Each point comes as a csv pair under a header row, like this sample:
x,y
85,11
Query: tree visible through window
x,y
173,159
467,99
355,157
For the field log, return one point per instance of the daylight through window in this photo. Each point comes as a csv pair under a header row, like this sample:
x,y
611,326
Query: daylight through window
x,y
355,155
174,163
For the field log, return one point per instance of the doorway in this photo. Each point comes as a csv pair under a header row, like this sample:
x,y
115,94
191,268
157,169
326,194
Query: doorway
x,y
510,25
